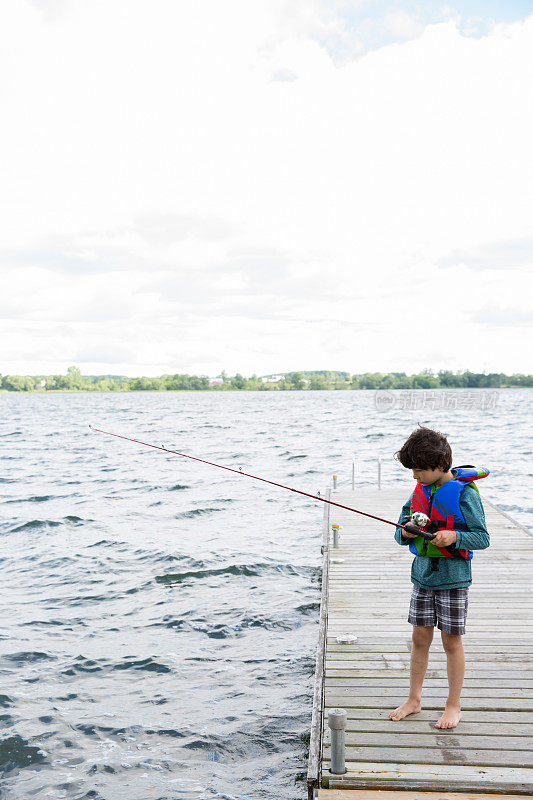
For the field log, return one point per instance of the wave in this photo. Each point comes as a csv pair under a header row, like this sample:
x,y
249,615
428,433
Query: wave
x,y
256,741
145,664
35,524
92,729
41,498
308,608
36,499
300,474
28,657
83,665
509,508
238,625
248,570
6,701
253,741
178,487
16,752
196,512
33,622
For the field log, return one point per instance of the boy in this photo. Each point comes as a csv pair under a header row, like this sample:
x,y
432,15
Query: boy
x,y
441,571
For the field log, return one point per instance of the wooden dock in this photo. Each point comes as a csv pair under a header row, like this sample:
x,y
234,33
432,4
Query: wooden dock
x,y
365,592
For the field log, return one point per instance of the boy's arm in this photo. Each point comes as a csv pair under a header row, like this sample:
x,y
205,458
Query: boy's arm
x,y
476,537
405,516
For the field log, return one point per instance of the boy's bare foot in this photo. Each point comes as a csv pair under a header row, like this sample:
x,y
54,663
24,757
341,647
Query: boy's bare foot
x,y
409,707
450,718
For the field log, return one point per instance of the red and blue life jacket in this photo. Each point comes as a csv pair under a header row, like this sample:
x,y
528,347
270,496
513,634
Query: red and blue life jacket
x,y
443,509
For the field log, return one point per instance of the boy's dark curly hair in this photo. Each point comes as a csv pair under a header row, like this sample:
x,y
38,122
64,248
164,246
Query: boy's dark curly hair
x,y
426,449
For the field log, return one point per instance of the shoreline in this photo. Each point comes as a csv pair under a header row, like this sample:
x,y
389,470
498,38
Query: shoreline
x,y
261,391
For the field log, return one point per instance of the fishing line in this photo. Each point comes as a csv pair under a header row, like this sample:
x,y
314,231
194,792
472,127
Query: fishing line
x,y
409,528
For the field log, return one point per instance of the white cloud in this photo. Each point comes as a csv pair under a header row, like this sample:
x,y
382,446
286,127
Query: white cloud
x,y
403,25
199,185
513,254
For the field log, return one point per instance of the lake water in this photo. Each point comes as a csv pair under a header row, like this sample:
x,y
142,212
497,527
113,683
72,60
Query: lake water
x,y
160,616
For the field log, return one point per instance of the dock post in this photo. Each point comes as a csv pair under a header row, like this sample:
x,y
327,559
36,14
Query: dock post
x,y
337,724
379,472
335,483
335,529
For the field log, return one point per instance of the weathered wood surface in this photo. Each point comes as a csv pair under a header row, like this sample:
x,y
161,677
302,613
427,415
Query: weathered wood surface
x,y
491,750
439,754
370,794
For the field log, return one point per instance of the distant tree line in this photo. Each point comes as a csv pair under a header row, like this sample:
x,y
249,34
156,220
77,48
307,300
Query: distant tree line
x,y
74,381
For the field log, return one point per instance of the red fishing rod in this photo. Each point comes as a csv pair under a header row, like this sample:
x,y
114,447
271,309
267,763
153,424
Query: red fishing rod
x,y
408,527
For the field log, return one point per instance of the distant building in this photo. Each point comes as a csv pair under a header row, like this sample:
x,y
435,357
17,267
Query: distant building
x,y
216,382
272,378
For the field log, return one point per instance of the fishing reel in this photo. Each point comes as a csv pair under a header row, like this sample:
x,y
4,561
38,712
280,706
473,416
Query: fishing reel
x,y
418,522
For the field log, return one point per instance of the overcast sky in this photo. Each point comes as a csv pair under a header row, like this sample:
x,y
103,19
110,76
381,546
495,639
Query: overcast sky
x,y
265,185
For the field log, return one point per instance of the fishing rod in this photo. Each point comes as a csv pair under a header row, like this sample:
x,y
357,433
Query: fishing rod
x,y
407,527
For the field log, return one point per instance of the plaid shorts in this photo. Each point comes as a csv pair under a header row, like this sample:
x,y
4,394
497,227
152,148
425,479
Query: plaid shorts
x,y
445,608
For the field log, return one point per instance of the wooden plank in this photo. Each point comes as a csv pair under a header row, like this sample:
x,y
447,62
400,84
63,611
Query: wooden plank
x,y
432,772
489,792
334,700
385,636
433,738
363,647
437,660
486,717
434,678
337,655
425,776
400,670
345,687
387,625
413,725
371,794
437,755
351,686
479,669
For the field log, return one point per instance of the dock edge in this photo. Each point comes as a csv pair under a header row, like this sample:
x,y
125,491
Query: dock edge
x,y
314,769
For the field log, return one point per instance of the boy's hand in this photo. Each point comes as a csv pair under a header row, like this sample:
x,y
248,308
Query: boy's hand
x,y
410,531
445,538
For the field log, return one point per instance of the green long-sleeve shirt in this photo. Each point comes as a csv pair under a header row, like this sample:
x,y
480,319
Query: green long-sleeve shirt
x,y
452,573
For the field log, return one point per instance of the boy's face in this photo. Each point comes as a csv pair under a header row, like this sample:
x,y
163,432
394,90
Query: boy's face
x,y
427,476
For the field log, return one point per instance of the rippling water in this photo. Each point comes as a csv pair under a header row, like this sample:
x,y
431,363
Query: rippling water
x,y
159,616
